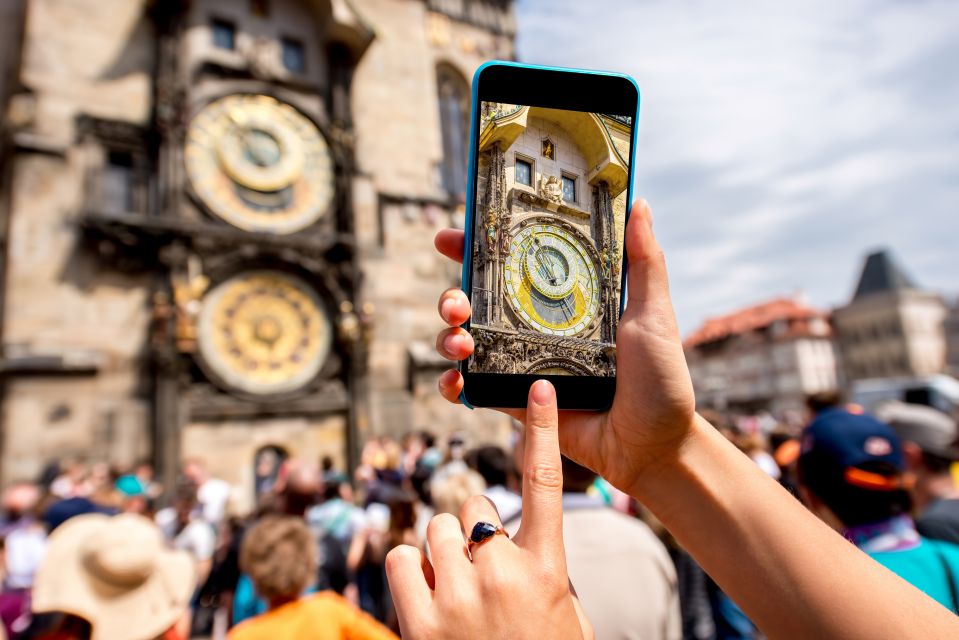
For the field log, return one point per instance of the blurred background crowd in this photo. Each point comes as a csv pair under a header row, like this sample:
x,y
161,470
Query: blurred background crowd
x,y
312,550
217,388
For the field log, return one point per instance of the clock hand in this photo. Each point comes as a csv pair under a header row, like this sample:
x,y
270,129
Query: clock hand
x,y
542,262
244,134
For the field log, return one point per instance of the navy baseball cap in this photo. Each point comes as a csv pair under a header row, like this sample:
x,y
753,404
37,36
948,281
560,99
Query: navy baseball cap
x,y
842,448
61,511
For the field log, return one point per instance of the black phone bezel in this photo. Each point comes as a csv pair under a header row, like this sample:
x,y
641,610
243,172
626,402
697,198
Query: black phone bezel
x,y
572,90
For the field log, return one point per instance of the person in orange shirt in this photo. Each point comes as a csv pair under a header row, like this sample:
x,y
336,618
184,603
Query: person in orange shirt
x,y
280,556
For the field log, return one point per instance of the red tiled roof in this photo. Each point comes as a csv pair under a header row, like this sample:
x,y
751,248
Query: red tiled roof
x,y
756,317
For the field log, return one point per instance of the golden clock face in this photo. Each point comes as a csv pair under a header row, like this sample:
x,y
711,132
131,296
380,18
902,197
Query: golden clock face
x,y
551,281
264,332
259,164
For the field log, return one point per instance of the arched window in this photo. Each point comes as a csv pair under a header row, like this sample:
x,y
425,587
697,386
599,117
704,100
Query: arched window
x,y
453,95
266,467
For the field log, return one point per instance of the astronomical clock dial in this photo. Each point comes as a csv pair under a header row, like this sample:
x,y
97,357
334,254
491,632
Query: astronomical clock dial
x,y
551,281
259,164
264,332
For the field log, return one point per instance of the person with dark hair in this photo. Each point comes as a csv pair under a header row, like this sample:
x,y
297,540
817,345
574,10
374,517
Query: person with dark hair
x,y
389,525
852,475
279,556
334,523
497,468
929,443
821,401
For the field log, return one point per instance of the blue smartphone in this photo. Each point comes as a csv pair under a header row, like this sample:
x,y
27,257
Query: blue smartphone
x,y
544,264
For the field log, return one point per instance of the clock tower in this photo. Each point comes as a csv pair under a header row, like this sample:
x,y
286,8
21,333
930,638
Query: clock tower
x,y
216,221
258,333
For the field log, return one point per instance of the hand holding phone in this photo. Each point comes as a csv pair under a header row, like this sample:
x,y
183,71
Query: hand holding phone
x,y
653,407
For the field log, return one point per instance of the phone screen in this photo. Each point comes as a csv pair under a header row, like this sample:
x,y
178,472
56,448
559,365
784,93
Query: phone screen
x,y
551,201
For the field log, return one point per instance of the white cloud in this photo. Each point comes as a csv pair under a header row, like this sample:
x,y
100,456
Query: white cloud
x,y
778,142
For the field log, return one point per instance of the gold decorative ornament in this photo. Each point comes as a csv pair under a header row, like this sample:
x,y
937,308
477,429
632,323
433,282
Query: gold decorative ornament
x,y
551,280
549,151
264,332
259,164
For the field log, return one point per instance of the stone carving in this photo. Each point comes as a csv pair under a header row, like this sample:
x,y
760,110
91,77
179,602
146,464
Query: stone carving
x,y
528,352
551,189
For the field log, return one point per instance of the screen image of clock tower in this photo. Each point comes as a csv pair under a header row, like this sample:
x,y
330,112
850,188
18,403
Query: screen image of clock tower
x,y
548,240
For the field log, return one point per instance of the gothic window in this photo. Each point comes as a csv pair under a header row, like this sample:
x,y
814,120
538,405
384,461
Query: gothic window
x,y
524,172
454,114
294,56
118,186
267,463
569,189
224,34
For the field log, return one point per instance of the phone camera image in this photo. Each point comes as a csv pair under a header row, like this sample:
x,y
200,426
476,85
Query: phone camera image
x,y
551,201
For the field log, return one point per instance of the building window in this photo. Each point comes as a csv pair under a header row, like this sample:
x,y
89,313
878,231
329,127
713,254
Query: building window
x,y
224,34
569,189
524,172
454,113
294,55
118,184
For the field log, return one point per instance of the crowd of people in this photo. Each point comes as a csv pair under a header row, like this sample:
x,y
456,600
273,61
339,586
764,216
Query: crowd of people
x,y
95,552
884,481
309,560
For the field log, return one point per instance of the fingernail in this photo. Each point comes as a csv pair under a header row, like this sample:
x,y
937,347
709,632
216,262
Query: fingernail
x,y
448,378
542,393
453,342
447,308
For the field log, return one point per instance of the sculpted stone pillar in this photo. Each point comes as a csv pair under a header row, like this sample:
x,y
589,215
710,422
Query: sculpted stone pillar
x,y
603,233
496,227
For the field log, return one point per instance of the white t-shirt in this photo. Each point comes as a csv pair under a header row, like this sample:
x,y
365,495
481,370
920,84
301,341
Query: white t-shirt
x,y
198,539
25,548
213,496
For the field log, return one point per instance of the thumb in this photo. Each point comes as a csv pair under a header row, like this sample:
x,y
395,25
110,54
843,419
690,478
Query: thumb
x,y
648,281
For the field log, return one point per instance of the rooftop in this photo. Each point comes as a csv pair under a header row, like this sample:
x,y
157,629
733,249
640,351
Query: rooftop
x,y
796,317
880,273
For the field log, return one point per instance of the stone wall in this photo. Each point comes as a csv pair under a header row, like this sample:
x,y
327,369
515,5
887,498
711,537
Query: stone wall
x,y
399,205
228,448
80,57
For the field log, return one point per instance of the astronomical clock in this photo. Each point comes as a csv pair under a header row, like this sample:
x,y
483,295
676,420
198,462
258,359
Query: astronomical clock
x,y
547,242
264,332
259,164
550,279
264,329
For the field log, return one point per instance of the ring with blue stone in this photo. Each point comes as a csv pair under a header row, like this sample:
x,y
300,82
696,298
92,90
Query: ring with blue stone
x,y
483,531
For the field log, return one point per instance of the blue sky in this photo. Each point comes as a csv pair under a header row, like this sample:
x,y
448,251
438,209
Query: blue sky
x,y
780,142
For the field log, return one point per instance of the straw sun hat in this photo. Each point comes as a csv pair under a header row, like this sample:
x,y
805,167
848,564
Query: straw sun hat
x,y
115,573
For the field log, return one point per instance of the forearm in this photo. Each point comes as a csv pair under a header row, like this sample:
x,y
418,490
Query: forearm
x,y
802,579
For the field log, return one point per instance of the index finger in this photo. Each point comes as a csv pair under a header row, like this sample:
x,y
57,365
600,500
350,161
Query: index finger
x,y
542,527
449,242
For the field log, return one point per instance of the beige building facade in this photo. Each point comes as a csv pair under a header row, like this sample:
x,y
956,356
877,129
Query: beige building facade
x,y
890,328
218,222
547,240
768,357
